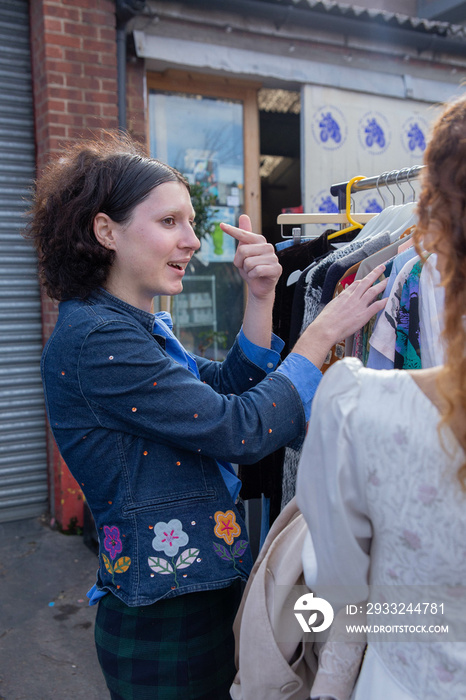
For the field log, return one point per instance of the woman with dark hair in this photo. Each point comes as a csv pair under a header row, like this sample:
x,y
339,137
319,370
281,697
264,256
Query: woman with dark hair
x,y
382,476
147,429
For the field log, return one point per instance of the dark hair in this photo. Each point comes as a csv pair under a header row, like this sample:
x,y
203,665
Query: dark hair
x,y
110,175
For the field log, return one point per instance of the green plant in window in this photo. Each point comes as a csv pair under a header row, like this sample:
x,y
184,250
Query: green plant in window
x,y
208,338
203,203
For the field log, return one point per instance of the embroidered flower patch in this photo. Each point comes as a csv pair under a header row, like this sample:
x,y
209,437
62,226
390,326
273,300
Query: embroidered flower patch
x,y
169,538
228,529
113,545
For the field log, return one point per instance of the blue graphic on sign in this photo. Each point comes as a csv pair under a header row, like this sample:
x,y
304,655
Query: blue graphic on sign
x,y
372,207
327,205
375,133
416,138
329,128
413,135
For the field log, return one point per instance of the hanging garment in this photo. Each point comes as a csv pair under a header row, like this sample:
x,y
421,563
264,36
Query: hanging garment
x,y
273,659
293,258
315,282
431,305
337,269
264,478
383,338
407,342
338,351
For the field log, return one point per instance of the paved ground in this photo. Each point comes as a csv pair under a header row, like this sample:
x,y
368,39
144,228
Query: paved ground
x,y
46,626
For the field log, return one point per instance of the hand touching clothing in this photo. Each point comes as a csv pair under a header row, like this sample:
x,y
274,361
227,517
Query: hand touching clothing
x,y
258,266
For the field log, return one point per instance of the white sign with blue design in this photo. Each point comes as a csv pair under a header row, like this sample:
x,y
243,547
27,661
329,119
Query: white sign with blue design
x,y
329,127
374,133
348,133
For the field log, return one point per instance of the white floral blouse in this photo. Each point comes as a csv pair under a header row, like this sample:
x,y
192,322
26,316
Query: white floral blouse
x,y
387,517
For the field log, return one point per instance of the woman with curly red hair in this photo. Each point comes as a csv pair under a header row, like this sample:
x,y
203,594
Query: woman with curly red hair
x,y
382,477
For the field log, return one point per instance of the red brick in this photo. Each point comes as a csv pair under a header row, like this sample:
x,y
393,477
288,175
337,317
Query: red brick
x,y
82,3
63,12
108,59
85,109
56,78
84,82
76,133
97,122
109,85
100,97
63,67
99,18
59,131
84,30
53,25
107,33
64,40
54,52
110,111
83,57
65,93
57,106
100,71
97,45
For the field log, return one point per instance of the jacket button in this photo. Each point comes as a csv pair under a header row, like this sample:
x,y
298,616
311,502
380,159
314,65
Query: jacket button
x,y
288,687
270,365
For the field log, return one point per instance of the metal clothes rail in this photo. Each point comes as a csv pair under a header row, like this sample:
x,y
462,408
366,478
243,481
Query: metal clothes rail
x,y
393,177
385,179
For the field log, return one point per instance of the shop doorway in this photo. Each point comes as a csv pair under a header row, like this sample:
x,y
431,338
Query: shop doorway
x,y
280,150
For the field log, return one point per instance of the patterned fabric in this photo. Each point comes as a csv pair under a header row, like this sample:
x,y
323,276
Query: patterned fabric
x,y
378,487
383,337
431,311
407,343
176,649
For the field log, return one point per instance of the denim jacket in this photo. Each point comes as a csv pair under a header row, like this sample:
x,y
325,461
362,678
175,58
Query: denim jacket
x,y
142,435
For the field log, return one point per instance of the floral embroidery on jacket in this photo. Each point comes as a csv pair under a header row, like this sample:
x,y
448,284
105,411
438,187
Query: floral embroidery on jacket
x,y
113,545
169,538
227,529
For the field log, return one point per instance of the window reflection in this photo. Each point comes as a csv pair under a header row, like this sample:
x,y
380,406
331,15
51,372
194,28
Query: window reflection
x,y
202,137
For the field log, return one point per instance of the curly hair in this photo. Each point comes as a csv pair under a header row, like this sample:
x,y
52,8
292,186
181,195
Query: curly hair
x,y
110,175
442,227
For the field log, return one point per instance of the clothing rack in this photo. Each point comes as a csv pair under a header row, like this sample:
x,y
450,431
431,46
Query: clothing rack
x,y
393,177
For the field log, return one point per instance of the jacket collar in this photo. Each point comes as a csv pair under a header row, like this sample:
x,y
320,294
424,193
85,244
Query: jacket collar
x,y
101,296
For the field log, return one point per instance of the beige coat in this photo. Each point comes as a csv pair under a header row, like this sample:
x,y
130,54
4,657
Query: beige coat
x,y
273,662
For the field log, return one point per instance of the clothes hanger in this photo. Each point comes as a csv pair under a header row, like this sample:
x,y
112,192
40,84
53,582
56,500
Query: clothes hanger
x,y
408,175
355,225
377,224
403,198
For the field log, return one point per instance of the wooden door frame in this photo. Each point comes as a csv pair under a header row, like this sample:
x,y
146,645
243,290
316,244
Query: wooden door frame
x,y
229,88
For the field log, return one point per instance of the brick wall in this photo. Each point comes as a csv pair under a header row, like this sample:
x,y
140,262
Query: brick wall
x,y
74,65
74,71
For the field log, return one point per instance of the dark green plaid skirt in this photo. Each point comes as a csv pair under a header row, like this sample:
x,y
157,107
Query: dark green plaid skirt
x,y
176,649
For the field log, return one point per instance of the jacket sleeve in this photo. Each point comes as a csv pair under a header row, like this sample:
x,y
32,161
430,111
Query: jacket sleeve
x,y
129,383
236,374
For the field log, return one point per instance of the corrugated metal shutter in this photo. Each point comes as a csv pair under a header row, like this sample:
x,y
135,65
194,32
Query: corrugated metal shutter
x,y
23,461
